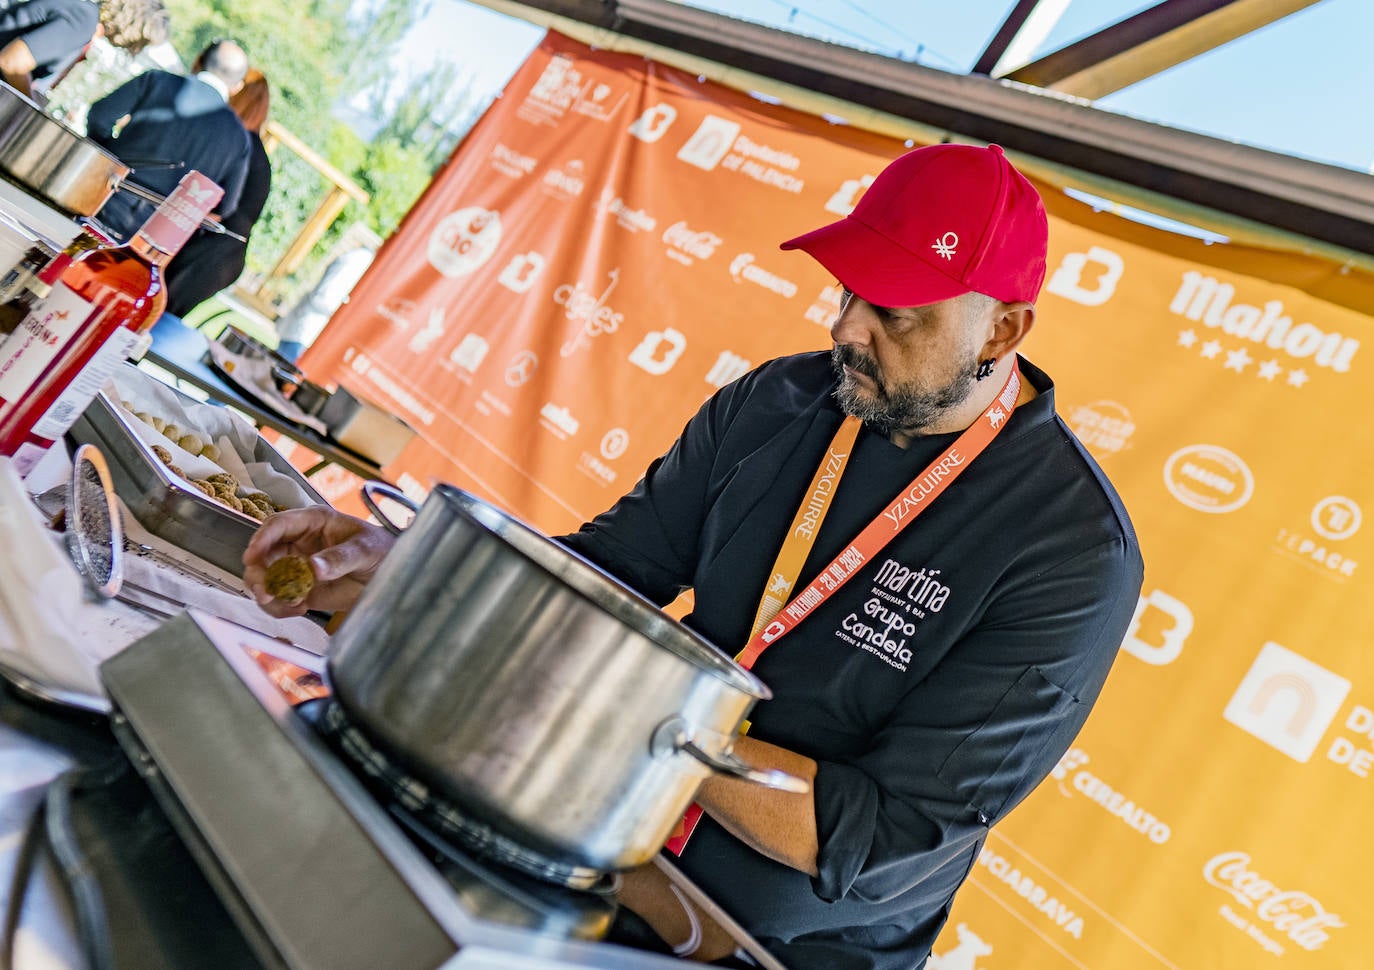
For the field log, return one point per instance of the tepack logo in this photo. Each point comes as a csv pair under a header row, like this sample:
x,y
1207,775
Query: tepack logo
x,y
1209,478
1336,517
659,351
1070,279
709,143
1287,701
521,272
469,353
964,956
464,240
654,123
1171,639
844,200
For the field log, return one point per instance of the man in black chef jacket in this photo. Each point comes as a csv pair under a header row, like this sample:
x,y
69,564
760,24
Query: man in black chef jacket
x,y
932,574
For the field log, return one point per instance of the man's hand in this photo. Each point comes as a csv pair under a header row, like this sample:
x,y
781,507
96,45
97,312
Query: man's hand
x,y
344,552
17,66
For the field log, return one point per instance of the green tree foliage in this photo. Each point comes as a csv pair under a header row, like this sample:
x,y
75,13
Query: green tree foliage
x,y
315,55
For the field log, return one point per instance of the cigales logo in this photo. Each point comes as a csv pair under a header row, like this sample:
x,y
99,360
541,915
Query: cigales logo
x,y
1298,915
1287,701
464,240
1209,478
1104,427
582,306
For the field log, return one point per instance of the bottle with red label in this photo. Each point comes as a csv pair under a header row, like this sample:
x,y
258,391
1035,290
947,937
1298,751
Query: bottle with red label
x,y
101,303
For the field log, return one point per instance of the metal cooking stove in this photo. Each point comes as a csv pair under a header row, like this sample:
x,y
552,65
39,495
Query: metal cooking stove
x,y
316,873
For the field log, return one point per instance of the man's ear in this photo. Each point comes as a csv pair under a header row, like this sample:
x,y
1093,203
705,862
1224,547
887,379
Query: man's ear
x,y
1011,323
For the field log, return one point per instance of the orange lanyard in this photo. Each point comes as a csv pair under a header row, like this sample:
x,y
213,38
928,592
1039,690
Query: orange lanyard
x,y
899,514
774,620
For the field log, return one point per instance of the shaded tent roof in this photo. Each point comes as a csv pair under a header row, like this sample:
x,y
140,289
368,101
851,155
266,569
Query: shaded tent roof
x,y
1263,201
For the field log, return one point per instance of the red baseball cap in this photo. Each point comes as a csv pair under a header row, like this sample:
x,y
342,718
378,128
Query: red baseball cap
x,y
936,223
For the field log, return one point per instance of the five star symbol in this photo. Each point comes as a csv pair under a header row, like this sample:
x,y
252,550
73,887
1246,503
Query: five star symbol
x,y
1238,360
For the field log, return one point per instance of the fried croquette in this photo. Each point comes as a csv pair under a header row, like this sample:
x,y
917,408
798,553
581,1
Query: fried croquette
x,y
290,579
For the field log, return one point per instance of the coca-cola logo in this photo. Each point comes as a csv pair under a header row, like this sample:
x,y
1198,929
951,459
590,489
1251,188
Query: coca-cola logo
x,y
1297,914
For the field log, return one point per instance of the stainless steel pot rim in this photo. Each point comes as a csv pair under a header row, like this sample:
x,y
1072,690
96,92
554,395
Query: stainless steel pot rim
x,y
604,590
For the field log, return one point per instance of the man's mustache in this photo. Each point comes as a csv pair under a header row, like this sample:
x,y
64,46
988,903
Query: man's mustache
x,y
843,355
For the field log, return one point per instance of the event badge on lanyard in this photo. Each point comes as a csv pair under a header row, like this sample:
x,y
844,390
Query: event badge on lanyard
x,y
774,619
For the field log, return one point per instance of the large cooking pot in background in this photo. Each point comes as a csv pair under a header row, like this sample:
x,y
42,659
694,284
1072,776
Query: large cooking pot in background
x,y
538,694
52,160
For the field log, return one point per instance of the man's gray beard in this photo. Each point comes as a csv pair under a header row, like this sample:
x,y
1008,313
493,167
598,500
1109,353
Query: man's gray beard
x,y
907,408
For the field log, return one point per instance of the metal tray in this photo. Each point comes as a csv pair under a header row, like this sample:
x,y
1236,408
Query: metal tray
x,y
163,503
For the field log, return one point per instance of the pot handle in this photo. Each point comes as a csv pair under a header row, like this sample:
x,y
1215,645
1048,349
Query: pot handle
x,y
674,735
386,491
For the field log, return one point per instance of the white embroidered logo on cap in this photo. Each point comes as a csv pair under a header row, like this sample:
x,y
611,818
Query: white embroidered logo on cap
x,y
946,244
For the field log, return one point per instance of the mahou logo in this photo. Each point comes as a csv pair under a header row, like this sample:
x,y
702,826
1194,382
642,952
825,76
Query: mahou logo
x,y
1296,914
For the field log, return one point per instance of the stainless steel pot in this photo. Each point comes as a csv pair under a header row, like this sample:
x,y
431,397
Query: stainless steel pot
x,y
537,693
52,160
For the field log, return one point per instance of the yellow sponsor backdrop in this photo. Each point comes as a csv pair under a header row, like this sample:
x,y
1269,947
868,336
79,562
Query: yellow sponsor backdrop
x,y
600,255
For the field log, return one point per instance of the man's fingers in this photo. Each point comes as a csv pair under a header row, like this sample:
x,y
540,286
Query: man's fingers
x,y
281,529
355,555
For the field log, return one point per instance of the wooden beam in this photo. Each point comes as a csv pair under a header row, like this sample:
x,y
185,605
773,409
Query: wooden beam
x,y
1004,36
1311,200
1152,41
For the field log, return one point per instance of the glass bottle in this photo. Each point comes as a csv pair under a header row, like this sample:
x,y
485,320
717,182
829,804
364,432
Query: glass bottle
x,y
95,317
22,288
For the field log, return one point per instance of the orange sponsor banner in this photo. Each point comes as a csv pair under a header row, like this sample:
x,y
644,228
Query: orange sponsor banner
x,y
600,255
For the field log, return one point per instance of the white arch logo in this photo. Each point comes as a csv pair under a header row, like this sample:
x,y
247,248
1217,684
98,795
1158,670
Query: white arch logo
x,y
1287,701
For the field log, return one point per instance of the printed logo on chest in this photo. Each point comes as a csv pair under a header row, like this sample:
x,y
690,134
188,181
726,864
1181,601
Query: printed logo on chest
x,y
885,624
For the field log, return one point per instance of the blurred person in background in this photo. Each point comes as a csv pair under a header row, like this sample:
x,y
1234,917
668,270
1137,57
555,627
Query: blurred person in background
x,y
40,40
209,262
164,125
299,326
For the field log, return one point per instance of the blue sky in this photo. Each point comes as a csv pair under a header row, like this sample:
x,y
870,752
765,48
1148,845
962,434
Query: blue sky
x,y
1299,86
